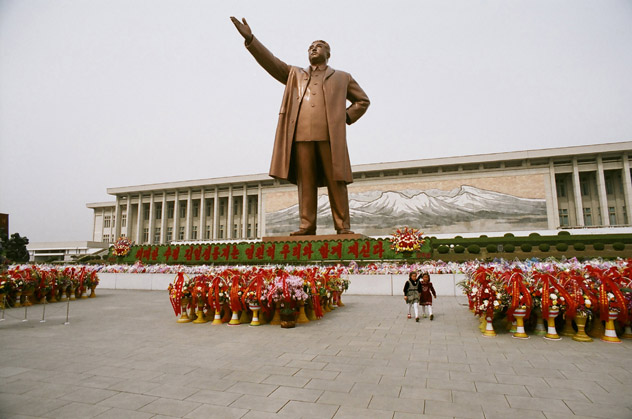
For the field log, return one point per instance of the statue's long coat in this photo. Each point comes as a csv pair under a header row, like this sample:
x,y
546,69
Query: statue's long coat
x,y
338,87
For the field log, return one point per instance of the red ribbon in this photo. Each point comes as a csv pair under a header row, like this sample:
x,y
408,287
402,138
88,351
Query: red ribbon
x,y
177,299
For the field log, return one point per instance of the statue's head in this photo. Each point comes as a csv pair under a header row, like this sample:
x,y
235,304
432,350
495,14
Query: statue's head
x,y
318,52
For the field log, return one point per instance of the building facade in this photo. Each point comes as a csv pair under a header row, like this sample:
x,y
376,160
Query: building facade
x,y
548,189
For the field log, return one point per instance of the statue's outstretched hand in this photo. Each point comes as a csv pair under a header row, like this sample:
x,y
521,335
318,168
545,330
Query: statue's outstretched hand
x,y
243,28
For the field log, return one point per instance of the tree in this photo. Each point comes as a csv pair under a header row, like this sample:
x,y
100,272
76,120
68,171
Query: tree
x,y
15,248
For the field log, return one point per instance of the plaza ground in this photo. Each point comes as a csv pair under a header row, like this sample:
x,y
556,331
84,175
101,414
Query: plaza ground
x,y
124,356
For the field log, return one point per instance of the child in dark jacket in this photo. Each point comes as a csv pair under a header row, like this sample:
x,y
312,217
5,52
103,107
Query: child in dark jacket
x,y
412,289
426,293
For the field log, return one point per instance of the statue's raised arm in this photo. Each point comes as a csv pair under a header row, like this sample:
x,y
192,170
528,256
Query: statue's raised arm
x,y
243,28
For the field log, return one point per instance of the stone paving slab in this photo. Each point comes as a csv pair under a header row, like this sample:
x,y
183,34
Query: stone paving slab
x,y
123,355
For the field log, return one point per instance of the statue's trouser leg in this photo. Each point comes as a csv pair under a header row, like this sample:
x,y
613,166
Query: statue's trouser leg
x,y
312,158
305,162
337,191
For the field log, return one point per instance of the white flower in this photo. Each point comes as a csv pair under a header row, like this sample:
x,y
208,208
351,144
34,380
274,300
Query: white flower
x,y
587,302
474,290
494,288
496,303
553,296
498,295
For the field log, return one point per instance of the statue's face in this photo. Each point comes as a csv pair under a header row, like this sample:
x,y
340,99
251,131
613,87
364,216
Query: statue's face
x,y
317,53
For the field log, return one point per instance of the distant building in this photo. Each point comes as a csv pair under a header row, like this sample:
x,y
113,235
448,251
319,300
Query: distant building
x,y
64,251
549,189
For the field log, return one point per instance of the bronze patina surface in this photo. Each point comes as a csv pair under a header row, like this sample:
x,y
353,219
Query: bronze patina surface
x,y
310,147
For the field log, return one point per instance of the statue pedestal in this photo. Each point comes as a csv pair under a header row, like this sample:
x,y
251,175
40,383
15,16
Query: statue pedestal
x,y
273,239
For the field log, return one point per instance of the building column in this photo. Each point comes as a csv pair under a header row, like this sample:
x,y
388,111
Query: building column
x,y
577,192
139,218
176,217
259,211
112,229
554,223
202,220
601,192
244,214
627,187
163,218
128,222
151,218
94,223
117,218
229,217
189,219
215,214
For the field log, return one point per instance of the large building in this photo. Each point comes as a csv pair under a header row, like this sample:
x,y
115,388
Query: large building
x,y
548,189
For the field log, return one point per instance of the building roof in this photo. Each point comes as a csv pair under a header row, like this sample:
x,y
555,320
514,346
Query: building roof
x,y
562,152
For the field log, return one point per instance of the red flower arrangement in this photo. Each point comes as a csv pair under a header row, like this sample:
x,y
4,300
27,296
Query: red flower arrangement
x,y
407,240
122,246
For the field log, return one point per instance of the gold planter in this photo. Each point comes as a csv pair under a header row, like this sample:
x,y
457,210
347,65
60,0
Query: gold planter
x,y
580,321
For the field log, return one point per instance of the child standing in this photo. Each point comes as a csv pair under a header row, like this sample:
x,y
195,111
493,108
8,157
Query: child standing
x,y
412,290
426,293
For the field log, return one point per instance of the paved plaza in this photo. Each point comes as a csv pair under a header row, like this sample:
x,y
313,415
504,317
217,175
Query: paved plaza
x,y
124,356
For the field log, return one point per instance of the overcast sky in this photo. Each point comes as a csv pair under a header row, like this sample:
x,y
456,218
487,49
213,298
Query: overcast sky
x,y
108,93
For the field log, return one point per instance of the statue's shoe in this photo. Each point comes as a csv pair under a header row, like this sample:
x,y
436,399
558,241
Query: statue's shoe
x,y
303,232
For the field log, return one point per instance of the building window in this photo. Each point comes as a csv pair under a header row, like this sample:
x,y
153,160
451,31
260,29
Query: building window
x,y
181,233
563,217
159,211
146,212
196,208
221,207
145,235
157,235
123,220
249,232
183,209
585,186
587,217
561,188
170,210
235,231
609,186
106,238
207,233
612,216
194,232
221,232
209,206
236,206
169,234
106,221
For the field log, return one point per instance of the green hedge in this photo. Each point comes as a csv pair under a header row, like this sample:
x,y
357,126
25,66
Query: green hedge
x,y
459,249
509,248
443,249
526,247
618,246
544,247
561,247
491,248
598,246
474,249
579,246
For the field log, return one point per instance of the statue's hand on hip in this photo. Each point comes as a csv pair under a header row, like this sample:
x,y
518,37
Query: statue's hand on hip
x,y
243,28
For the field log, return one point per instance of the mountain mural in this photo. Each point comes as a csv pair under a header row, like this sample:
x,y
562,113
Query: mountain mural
x,y
462,209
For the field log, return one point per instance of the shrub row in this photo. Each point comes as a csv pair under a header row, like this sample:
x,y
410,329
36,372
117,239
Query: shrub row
x,y
578,243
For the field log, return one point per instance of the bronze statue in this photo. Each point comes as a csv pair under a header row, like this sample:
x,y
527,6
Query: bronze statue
x,y
310,148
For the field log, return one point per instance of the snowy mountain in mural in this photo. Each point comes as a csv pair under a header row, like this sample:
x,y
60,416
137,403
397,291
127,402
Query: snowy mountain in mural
x,y
434,210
